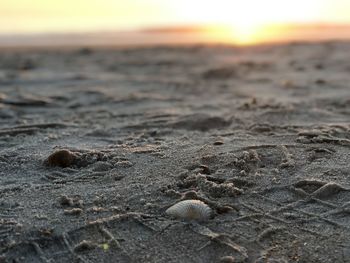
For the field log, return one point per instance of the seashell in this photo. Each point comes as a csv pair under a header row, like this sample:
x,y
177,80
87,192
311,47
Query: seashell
x,y
190,210
61,158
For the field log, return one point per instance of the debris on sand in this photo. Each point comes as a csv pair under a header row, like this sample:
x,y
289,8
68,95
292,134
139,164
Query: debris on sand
x,y
66,201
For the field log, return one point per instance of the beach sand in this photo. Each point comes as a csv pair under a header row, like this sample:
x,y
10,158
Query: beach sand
x,y
260,134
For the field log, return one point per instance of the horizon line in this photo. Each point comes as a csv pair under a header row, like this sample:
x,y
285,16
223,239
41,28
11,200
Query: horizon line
x,y
178,35
178,28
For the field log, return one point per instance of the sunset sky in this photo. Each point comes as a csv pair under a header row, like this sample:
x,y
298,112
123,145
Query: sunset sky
x,y
243,16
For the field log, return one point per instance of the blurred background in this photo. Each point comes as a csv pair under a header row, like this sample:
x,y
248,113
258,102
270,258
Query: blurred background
x,y
140,22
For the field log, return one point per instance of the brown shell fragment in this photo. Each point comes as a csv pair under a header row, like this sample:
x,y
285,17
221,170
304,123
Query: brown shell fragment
x,y
61,158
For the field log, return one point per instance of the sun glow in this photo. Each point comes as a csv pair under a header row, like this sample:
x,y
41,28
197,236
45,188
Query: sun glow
x,y
249,21
245,35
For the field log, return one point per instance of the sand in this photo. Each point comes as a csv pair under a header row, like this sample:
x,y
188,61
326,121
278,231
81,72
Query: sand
x,y
260,134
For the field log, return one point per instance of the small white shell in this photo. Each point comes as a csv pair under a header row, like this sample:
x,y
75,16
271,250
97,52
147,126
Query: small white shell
x,y
190,210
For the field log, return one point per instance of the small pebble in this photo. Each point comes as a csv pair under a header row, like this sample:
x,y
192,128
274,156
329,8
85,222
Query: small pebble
x,y
65,200
320,81
219,142
204,169
319,66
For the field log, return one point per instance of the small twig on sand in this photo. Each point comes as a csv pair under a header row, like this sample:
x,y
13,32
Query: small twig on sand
x,y
13,132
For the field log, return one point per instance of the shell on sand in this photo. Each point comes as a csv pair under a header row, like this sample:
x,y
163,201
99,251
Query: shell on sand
x,y
190,210
61,158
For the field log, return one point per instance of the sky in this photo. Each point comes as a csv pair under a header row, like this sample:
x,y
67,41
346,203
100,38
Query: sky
x,y
244,16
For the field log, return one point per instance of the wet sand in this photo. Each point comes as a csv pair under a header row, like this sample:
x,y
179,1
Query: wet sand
x,y
260,134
